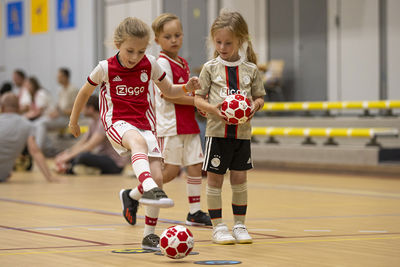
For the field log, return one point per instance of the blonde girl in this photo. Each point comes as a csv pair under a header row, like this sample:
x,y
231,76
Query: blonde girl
x,y
232,71
126,108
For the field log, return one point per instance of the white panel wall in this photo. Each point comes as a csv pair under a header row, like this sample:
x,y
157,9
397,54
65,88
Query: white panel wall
x,y
393,49
353,50
116,11
254,12
359,50
42,55
333,52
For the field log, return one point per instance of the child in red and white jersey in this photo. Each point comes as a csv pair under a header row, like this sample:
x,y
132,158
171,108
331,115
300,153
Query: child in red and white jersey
x,y
126,108
177,128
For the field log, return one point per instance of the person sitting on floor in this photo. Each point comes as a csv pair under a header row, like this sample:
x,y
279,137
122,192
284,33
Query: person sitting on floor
x,y
16,133
58,116
93,153
34,99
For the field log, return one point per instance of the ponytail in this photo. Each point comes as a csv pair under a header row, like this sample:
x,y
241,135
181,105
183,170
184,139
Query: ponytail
x,y
250,54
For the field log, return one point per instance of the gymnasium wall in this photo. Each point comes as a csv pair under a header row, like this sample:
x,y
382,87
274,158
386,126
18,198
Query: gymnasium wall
x,y
354,46
254,12
393,51
41,54
115,11
363,54
345,47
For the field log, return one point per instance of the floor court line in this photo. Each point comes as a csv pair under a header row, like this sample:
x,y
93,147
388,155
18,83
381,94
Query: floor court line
x,y
53,235
211,244
53,247
326,217
181,222
317,230
66,226
103,212
340,191
373,231
265,236
329,240
326,235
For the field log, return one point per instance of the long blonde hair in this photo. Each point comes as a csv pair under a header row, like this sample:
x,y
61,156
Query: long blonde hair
x,y
238,26
130,27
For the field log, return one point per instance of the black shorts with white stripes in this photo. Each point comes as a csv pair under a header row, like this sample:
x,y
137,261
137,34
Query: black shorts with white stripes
x,y
224,153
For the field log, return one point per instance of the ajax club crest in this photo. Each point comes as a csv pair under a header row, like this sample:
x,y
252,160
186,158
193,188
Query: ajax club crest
x,y
144,77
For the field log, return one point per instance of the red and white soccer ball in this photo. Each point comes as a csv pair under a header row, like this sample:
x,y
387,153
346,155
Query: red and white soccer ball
x,y
176,242
236,108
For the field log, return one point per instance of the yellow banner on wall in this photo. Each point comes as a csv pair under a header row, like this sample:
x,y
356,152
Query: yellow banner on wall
x,y
39,16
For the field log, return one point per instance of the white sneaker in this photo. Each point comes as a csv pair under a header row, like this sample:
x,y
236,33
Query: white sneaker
x,y
222,236
241,235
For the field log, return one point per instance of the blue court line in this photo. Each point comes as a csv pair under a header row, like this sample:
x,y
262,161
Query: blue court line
x,y
104,212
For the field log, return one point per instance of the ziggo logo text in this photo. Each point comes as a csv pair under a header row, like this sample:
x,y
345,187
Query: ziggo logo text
x,y
124,90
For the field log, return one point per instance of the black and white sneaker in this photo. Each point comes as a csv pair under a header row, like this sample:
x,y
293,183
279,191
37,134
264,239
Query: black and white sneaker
x,y
152,242
198,218
129,206
156,197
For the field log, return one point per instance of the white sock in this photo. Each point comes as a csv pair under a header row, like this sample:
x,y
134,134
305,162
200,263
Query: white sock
x,y
141,167
137,192
193,187
151,217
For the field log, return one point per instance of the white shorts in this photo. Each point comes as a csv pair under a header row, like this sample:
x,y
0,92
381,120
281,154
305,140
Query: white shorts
x,y
182,150
117,131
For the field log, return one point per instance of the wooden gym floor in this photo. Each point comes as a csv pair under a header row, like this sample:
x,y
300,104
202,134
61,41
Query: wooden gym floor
x,y
296,219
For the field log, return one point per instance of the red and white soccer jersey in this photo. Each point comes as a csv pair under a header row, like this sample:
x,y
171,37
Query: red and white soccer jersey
x,y
127,94
174,119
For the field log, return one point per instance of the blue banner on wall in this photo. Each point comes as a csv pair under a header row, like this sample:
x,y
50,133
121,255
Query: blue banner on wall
x,y
65,14
15,23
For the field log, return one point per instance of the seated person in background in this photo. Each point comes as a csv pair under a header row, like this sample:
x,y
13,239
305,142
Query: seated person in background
x,y
5,87
15,133
58,116
93,153
19,80
273,79
34,99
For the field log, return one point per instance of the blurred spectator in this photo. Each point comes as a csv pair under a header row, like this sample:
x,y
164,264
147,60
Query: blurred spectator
x,y
14,139
18,79
272,78
34,100
5,87
93,153
58,116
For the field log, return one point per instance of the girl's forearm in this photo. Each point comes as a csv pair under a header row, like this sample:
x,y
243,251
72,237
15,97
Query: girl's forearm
x,y
80,101
202,104
185,100
173,91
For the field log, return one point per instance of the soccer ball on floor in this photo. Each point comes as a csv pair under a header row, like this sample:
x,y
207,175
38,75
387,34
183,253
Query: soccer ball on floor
x,y
176,242
236,108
